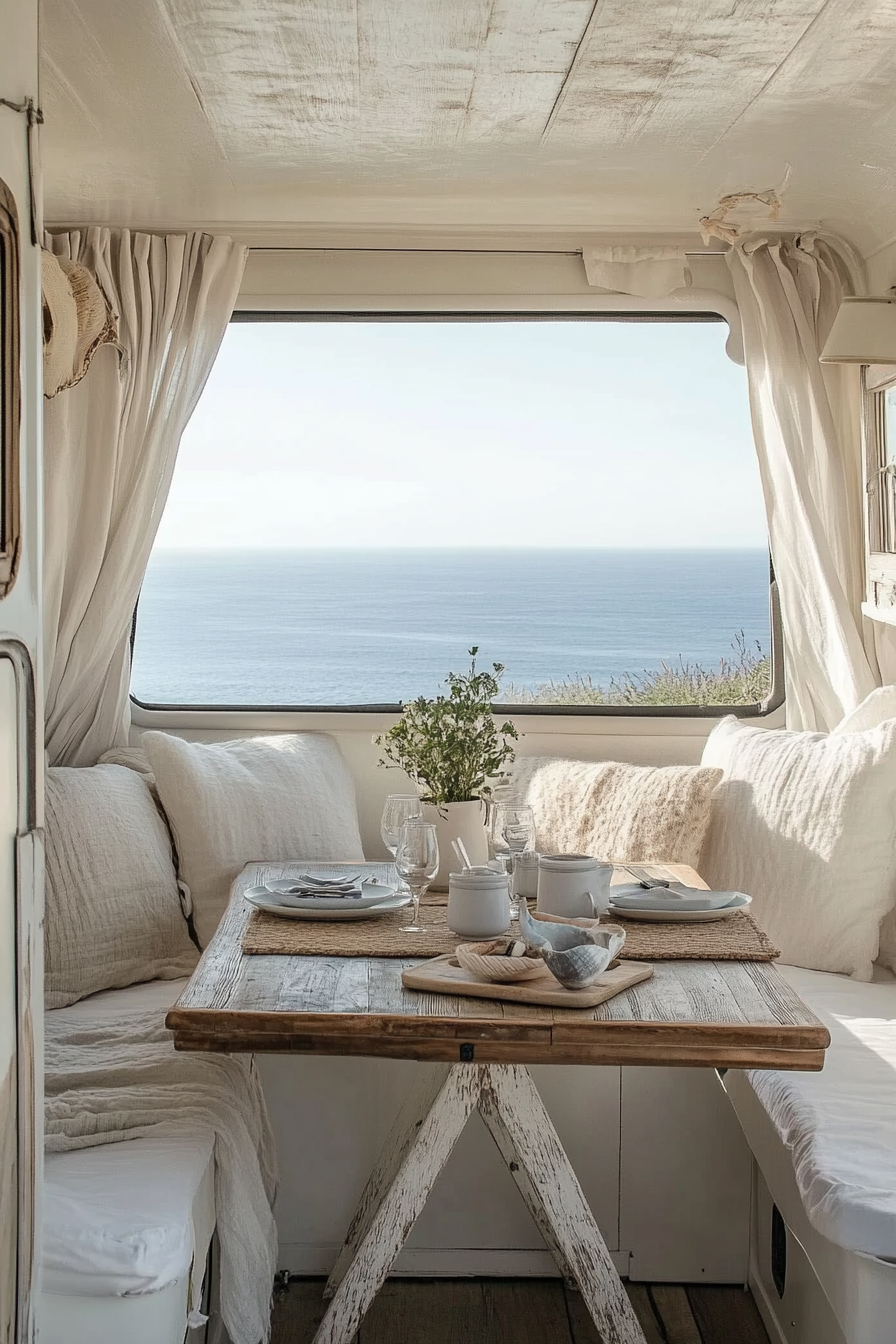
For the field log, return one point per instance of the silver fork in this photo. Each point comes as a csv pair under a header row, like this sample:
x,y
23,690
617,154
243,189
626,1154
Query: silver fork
x,y
639,875
328,881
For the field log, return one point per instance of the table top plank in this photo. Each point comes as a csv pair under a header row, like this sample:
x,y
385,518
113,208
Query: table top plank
x,y
709,993
663,995
703,1013
388,996
322,985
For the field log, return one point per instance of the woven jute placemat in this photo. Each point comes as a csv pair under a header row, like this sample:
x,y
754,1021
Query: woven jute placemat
x,y
737,938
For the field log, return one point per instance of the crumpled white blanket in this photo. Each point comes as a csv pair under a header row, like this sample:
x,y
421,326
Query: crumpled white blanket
x,y
109,1082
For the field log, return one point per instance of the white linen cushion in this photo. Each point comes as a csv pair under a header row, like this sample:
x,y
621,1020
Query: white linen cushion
x,y
875,709
113,911
277,798
804,822
837,1125
613,810
122,1218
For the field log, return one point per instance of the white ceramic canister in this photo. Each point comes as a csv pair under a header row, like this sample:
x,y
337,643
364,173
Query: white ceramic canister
x,y
478,903
573,886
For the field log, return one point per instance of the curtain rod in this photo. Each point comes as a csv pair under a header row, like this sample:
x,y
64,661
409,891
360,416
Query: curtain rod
x,y
459,251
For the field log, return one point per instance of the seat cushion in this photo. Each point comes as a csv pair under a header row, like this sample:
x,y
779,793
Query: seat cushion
x,y
131,1217
839,1126
613,810
118,1219
804,822
277,798
113,909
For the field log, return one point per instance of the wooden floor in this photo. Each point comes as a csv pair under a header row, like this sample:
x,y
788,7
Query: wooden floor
x,y
521,1311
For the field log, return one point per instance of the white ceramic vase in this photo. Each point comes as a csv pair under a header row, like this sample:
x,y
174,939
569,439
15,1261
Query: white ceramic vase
x,y
453,820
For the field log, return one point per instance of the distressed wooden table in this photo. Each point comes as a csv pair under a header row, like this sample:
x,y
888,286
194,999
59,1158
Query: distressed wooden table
x,y
714,1014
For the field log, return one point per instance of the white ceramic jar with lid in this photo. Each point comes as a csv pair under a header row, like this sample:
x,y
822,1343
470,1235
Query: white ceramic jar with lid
x,y
573,886
478,903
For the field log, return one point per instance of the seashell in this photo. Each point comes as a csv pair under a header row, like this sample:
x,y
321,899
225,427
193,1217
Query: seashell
x,y
576,968
574,956
539,933
487,962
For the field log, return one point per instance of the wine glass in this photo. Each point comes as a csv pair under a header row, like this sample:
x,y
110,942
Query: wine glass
x,y
398,808
417,862
512,833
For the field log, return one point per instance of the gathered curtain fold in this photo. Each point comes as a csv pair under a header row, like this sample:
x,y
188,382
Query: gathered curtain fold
x,y
807,426
110,444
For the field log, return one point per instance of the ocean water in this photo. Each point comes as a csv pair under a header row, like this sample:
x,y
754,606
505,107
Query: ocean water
x,y
355,627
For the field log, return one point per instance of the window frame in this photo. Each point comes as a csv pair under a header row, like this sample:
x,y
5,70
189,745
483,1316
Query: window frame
x,y
10,392
621,311
880,512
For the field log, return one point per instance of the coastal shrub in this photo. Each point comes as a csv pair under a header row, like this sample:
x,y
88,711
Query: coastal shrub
x,y
743,678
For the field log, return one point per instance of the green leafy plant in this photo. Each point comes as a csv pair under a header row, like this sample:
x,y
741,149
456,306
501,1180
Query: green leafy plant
x,y
451,746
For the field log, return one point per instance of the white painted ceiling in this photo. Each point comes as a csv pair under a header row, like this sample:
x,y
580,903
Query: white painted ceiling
x,y
559,114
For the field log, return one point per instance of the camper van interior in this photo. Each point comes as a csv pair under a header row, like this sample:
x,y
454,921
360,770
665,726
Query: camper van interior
x,y
448,672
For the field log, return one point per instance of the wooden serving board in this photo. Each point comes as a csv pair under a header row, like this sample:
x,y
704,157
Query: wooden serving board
x,y
444,975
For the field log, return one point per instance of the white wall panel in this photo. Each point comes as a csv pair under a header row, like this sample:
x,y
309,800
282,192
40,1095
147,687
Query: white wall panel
x,y
21,987
685,1178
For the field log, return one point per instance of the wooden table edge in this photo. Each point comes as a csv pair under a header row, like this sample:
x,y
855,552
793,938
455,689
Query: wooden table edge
x,y
729,1045
497,1052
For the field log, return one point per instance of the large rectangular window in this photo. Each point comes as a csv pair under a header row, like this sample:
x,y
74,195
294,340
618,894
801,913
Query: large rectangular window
x,y
358,502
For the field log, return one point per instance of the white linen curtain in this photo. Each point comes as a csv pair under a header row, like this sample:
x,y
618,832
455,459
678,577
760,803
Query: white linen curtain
x,y
110,445
807,425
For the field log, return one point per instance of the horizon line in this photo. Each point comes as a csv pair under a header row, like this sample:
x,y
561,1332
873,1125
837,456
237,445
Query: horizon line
x,y
449,550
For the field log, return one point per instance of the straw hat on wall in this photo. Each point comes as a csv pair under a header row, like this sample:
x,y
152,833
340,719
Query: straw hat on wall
x,y
77,320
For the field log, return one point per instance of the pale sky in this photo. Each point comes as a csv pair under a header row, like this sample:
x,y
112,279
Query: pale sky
x,y
554,434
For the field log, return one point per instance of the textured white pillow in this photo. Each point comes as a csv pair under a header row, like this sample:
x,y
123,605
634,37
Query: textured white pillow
x,y
877,708
113,912
613,810
277,798
874,710
805,823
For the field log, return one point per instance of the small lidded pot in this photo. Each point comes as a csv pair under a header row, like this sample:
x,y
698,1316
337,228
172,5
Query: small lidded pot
x,y
573,886
478,903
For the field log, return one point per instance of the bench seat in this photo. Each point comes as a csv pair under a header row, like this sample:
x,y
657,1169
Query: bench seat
x,y
826,1147
126,1226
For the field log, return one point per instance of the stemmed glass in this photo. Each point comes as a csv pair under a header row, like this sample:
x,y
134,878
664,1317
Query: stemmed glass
x,y
398,808
512,833
417,861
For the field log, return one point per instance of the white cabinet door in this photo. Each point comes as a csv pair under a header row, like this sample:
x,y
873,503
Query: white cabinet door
x,y
685,1179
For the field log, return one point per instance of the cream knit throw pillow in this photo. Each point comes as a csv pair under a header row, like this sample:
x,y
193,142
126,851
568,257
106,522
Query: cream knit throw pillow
x,y
113,910
633,813
805,823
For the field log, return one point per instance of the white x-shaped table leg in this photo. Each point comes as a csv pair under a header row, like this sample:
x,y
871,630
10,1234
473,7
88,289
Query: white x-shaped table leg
x,y
430,1123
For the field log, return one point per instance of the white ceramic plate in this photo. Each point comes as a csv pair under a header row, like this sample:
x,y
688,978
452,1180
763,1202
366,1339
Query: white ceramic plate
x,y
286,908
279,891
738,902
690,898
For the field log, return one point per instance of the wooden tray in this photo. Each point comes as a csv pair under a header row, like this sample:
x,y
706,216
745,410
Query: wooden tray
x,y
443,975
